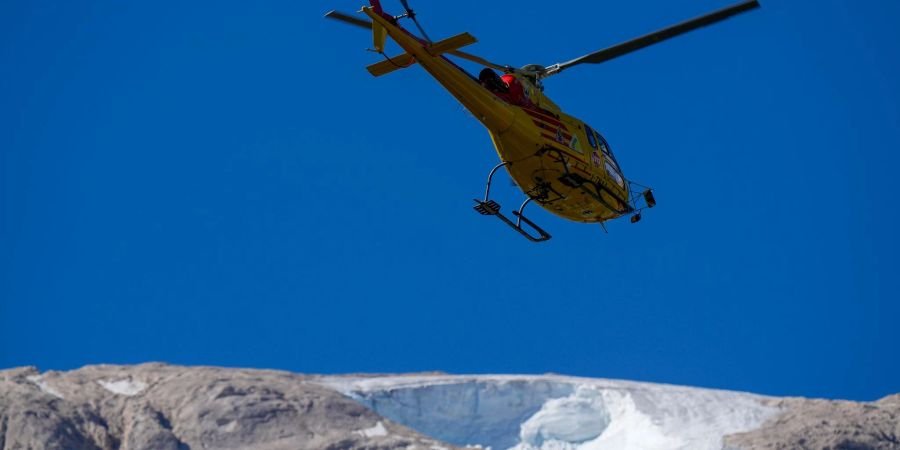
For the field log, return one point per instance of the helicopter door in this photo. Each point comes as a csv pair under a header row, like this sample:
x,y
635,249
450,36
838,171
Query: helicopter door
x,y
595,158
610,164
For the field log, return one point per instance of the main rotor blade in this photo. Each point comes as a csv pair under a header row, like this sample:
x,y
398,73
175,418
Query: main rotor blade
x,y
478,60
346,18
658,36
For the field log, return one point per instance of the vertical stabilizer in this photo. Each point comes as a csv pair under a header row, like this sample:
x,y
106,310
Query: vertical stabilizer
x,y
379,36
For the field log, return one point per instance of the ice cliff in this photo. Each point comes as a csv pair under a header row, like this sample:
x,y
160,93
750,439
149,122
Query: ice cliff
x,y
560,413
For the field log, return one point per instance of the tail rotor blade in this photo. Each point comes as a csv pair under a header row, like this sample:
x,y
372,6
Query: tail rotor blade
x,y
412,15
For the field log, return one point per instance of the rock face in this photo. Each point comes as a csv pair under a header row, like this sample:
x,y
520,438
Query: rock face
x,y
157,406
822,424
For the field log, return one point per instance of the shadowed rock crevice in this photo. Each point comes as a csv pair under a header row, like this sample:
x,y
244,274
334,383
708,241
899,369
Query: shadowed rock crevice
x,y
3,422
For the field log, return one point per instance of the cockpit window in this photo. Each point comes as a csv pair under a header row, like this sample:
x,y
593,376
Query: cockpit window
x,y
590,135
614,173
604,146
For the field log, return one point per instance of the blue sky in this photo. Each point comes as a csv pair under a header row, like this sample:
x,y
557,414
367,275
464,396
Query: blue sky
x,y
223,183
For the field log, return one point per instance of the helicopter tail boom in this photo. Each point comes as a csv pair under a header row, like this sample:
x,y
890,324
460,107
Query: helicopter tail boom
x,y
482,103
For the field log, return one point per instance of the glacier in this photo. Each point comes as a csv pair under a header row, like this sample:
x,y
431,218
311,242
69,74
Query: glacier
x,y
553,412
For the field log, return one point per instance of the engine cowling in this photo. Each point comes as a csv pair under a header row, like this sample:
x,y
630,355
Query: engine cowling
x,y
516,90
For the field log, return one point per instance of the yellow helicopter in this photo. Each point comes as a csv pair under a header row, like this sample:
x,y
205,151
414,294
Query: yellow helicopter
x,y
558,161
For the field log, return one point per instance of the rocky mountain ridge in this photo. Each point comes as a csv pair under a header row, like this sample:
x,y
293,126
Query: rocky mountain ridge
x,y
158,406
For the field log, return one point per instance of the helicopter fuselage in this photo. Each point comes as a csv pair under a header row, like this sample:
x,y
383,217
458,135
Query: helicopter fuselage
x,y
557,160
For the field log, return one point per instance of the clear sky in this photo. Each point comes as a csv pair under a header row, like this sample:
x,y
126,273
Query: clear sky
x,y
222,182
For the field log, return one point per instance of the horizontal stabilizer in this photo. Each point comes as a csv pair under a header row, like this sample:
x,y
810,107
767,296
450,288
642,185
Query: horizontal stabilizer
x,y
405,60
389,65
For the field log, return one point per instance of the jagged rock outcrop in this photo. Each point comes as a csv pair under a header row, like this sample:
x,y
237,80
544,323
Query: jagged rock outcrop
x,y
155,406
826,425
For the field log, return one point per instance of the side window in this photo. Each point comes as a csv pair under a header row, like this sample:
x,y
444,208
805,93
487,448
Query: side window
x,y
590,135
603,145
615,174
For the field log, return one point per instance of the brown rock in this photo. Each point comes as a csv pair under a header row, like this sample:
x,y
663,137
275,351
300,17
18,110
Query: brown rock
x,y
161,407
827,425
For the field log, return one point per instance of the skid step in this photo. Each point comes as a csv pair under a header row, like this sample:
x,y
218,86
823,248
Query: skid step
x,y
488,208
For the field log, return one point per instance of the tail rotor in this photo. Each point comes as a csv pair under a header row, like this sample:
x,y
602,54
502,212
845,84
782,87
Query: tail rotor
x,y
412,15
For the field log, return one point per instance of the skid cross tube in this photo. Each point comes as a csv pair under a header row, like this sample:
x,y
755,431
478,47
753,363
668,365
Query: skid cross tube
x,y
522,208
488,207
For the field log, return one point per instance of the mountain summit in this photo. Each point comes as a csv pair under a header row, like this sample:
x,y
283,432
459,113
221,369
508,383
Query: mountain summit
x,y
157,406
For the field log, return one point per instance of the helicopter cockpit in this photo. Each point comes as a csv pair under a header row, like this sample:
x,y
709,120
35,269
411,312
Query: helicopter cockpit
x,y
598,142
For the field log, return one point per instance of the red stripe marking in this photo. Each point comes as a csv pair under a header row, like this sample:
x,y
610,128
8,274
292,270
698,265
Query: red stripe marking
x,y
552,138
545,118
544,126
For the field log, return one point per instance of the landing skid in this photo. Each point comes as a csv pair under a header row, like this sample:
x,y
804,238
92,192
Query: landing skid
x,y
488,207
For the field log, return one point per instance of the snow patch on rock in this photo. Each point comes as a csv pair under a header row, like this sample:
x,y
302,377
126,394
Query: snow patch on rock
x,y
377,431
42,384
124,387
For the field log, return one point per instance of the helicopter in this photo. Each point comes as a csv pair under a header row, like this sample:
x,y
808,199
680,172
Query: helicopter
x,y
558,161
